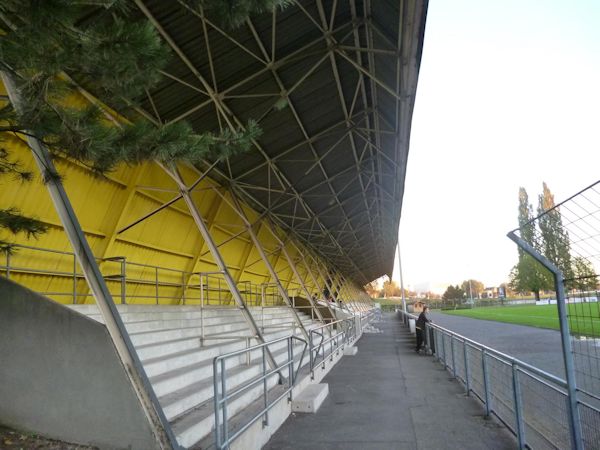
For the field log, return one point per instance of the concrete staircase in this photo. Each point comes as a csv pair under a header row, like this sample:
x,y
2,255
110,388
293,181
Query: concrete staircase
x,y
178,362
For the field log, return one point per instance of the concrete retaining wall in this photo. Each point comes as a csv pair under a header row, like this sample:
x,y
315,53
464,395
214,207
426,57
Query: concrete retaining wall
x,y
60,375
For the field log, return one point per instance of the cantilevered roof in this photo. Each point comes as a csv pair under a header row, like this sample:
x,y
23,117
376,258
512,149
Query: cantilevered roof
x,y
332,85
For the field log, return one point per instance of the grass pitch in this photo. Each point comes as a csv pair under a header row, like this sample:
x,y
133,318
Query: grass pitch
x,y
584,318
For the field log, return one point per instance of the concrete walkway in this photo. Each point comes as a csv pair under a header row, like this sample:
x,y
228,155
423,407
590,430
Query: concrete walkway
x,y
388,397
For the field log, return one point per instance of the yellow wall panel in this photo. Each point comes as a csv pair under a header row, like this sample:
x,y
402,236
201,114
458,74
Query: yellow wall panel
x,y
169,239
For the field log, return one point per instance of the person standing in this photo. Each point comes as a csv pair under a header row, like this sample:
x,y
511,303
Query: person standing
x,y
420,327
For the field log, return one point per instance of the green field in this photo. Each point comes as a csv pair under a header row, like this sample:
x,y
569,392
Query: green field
x,y
584,318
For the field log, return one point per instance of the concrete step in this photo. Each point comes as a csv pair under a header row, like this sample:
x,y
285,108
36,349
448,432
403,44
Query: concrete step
x,y
155,347
154,336
199,422
178,402
179,377
146,316
190,354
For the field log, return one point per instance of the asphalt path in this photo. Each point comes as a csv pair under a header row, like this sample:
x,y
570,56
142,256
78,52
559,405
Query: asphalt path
x,y
536,346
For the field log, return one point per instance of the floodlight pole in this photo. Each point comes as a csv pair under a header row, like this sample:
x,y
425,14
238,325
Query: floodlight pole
x,y
574,416
116,329
401,279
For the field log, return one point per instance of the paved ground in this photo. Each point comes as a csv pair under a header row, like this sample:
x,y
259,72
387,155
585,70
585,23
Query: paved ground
x,y
536,346
388,397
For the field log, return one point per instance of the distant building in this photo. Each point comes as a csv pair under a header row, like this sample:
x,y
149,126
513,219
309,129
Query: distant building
x,y
490,292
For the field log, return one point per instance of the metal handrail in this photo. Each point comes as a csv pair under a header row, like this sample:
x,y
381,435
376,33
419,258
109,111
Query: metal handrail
x,y
517,366
316,345
222,396
493,352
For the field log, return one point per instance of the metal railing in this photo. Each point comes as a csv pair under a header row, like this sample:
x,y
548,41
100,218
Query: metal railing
x,y
223,397
327,340
324,342
129,281
532,403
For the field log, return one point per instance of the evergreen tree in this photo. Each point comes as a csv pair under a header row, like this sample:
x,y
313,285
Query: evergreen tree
x,y
585,278
555,239
528,274
52,48
453,293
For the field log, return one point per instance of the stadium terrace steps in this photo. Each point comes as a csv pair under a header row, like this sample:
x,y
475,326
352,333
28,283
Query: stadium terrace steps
x,y
178,356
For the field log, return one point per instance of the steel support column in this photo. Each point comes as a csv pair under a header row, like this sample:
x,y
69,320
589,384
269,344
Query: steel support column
x,y
314,279
296,273
116,329
173,172
238,209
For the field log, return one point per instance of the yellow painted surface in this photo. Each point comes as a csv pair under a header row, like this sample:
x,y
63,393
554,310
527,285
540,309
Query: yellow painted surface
x,y
169,240
166,247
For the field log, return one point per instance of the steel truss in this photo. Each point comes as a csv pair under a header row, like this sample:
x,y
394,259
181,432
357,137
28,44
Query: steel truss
x,y
366,205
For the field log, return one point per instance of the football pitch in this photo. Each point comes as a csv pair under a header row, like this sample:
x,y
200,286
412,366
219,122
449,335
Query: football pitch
x,y
584,318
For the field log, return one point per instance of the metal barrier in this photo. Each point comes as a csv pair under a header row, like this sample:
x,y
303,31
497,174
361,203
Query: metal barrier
x,y
532,403
336,334
130,281
222,396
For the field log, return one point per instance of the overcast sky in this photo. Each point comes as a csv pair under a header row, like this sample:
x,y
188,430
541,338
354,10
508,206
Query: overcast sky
x,y
508,96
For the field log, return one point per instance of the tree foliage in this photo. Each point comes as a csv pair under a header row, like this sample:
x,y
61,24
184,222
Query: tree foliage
x,y
453,293
585,278
555,239
528,274
52,48
473,289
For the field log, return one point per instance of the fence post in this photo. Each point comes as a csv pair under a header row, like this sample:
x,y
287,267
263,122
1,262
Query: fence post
x,y
574,417
518,406
444,348
453,358
467,379
486,384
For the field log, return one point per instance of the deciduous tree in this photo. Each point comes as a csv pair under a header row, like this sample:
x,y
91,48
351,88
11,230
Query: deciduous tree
x,y
528,274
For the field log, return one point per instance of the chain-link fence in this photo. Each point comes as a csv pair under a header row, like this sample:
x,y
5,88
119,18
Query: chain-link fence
x,y
567,236
532,403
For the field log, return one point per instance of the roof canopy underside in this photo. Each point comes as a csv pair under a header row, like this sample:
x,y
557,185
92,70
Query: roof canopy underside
x,y
332,86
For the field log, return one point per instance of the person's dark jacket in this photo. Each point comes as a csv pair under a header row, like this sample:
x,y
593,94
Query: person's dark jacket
x,y
422,320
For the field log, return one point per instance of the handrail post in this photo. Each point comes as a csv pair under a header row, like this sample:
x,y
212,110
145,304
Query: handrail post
x,y
123,280
201,310
183,287
290,368
216,402
224,398
74,279
310,354
8,264
156,284
486,384
518,406
265,389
